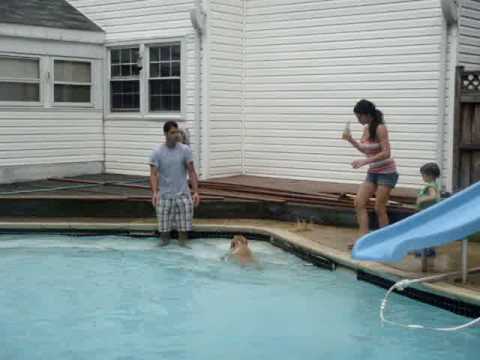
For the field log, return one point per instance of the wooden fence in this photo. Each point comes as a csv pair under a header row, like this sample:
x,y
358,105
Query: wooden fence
x,y
466,135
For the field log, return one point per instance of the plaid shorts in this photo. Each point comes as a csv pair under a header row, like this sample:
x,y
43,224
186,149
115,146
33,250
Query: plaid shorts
x,y
175,213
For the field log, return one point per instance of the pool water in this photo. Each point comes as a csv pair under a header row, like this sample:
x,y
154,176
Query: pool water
x,y
114,297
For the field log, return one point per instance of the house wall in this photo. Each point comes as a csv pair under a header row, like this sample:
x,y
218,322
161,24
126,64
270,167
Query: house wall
x,y
281,110
225,85
129,138
43,141
469,34
306,65
464,50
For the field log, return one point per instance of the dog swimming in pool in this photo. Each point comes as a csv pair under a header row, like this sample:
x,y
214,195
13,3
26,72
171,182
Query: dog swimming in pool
x,y
239,251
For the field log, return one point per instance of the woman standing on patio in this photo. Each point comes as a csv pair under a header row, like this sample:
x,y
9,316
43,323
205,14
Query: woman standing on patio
x,y
382,173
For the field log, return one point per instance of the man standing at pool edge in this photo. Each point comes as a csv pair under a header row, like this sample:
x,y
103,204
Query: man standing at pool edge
x,y
169,164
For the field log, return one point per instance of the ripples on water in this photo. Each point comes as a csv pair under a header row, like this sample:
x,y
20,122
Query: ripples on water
x,y
114,297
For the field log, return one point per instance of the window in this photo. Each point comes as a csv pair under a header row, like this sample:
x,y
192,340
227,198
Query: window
x,y
72,81
45,81
124,80
19,79
146,79
164,80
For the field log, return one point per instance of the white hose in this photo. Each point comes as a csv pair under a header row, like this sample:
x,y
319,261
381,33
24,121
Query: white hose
x,y
401,285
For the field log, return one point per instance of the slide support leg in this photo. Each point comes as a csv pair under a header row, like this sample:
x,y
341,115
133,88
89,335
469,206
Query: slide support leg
x,y
464,260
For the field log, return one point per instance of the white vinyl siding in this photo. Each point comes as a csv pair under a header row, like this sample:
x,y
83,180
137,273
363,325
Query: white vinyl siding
x,y
46,137
283,77
464,50
129,138
307,64
225,87
469,34
43,139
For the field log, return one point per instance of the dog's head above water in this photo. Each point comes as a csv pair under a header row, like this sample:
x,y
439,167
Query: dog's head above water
x,y
239,250
238,241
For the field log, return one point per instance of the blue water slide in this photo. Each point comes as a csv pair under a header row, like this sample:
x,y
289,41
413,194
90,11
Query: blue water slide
x,y
449,220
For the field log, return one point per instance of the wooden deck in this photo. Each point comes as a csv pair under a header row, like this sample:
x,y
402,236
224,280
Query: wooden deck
x,y
305,186
243,187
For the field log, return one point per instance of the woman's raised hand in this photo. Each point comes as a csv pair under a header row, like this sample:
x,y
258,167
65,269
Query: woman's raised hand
x,y
347,134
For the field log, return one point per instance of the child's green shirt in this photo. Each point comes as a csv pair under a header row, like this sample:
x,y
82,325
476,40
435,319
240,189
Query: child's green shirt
x,y
424,191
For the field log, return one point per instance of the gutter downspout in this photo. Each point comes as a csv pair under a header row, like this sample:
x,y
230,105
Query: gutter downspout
x,y
243,85
451,104
450,9
198,19
205,102
449,12
105,102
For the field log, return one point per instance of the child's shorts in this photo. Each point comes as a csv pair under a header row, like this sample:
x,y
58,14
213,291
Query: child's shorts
x,y
428,252
175,212
389,180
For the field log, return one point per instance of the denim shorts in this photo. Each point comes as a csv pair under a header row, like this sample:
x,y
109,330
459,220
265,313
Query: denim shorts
x,y
389,180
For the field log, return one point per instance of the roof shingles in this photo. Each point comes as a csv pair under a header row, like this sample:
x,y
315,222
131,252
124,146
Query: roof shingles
x,y
47,13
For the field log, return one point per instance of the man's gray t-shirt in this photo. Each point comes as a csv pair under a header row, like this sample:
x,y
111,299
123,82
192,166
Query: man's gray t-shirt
x,y
172,167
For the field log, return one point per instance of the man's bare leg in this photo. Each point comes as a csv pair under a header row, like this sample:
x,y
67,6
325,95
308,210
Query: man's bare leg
x,y
183,239
164,239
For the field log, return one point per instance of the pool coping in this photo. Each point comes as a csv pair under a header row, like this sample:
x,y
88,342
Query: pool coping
x,y
382,275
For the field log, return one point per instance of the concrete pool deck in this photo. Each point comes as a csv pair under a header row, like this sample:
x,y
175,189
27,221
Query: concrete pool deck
x,y
327,241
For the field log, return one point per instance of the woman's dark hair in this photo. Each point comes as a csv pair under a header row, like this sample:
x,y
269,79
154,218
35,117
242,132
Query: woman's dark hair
x,y
168,125
368,108
430,169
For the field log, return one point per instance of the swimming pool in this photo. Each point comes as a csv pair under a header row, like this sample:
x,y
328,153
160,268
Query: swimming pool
x,y
114,297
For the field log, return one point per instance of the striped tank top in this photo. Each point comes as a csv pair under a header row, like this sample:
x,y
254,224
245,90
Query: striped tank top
x,y
385,166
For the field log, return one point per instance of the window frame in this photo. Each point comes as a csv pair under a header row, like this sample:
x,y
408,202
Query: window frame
x,y
144,77
41,85
149,78
108,94
46,82
52,83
